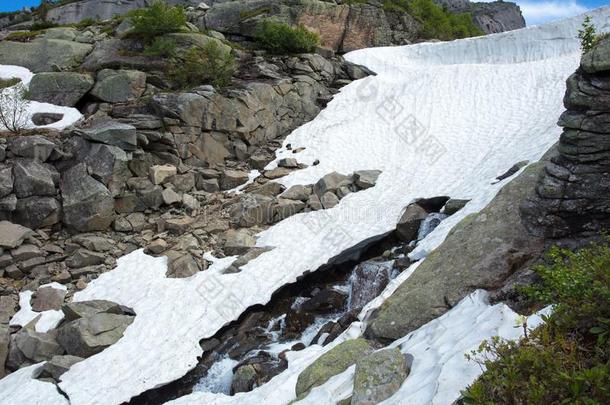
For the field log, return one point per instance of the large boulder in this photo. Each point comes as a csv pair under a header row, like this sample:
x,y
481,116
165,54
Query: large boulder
x,y
481,251
85,337
60,88
410,221
58,365
88,205
37,212
86,309
32,147
187,107
12,235
44,55
331,363
237,242
378,376
34,178
28,347
111,133
117,86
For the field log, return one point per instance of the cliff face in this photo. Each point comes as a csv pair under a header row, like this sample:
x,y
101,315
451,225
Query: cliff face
x,y
572,193
494,17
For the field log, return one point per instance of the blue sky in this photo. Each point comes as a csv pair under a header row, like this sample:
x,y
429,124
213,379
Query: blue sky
x,y
535,11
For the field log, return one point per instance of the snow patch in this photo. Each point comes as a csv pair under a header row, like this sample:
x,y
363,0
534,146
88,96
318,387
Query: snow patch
x,y
47,320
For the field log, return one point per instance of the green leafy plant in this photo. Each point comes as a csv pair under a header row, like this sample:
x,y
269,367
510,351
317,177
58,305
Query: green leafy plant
x,y
163,47
567,359
208,65
587,35
279,38
156,20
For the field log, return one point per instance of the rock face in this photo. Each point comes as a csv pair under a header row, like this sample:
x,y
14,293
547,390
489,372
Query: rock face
x,y
332,363
61,88
482,251
492,17
44,55
572,193
378,376
115,86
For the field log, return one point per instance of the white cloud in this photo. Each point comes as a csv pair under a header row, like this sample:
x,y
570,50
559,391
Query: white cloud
x,y
536,12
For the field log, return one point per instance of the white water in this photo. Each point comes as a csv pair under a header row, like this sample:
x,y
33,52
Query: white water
x,y
219,377
438,119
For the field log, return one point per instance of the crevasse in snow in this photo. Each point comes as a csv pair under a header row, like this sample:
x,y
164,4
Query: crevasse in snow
x,y
438,119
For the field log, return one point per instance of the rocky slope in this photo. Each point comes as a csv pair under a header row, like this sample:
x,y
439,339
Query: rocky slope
x,y
342,26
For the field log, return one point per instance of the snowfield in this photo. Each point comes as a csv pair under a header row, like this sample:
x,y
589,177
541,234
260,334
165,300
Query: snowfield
x,y
438,119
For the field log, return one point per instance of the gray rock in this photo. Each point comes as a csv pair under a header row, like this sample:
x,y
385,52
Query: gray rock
x,y
60,88
58,365
8,307
284,208
454,205
25,252
244,379
48,298
298,192
158,174
32,147
366,178
28,347
5,338
468,259
314,203
329,200
368,280
32,178
331,182
238,242
183,266
86,309
8,203
44,55
117,86
378,376
94,242
252,209
232,178
170,197
410,221
331,363
12,235
37,212
111,133
290,163
85,337
6,181
209,185
187,107
88,205
83,258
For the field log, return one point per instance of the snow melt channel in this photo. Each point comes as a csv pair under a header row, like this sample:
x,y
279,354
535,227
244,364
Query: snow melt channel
x,y
438,119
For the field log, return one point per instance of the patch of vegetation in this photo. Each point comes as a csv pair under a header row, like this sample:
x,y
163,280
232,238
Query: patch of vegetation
x,y
23,36
87,22
42,25
208,65
157,20
163,47
4,83
247,14
588,35
566,360
279,38
436,22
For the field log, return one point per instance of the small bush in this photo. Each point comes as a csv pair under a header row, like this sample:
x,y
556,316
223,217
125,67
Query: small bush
x,y
87,22
42,25
23,36
13,108
566,360
156,20
163,47
4,83
280,38
209,65
587,35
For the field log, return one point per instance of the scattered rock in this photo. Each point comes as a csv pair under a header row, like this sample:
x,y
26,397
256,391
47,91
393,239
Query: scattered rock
x,y
366,178
58,365
454,205
232,178
12,235
410,221
48,298
329,200
28,347
158,174
238,242
331,182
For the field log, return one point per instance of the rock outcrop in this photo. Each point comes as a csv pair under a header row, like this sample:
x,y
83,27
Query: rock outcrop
x,y
572,193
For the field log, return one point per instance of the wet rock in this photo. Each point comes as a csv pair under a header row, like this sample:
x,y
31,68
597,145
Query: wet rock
x,y
58,365
454,205
366,178
48,298
87,203
237,242
327,300
117,86
368,280
378,376
31,147
59,88
111,133
85,337
12,235
410,221
331,363
244,379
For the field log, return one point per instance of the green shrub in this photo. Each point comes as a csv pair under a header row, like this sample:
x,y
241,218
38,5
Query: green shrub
x,y
22,36
209,65
436,22
156,20
4,83
42,25
587,35
566,360
163,47
280,38
87,22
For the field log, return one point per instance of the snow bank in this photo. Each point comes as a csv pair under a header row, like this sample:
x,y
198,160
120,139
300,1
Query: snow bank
x,y
21,388
438,119
70,115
